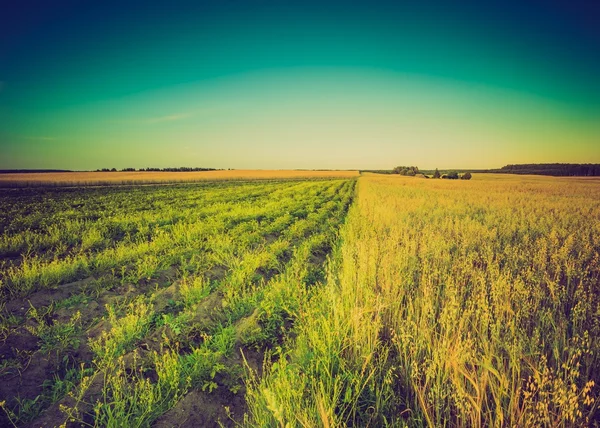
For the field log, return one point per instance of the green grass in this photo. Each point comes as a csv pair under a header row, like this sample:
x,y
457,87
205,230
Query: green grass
x,y
234,255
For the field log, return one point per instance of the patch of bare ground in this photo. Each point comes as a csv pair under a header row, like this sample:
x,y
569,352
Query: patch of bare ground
x,y
33,365
91,285
208,314
201,409
45,297
223,407
54,415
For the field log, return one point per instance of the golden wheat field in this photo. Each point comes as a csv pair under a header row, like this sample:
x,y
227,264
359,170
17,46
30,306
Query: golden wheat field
x,y
450,303
141,177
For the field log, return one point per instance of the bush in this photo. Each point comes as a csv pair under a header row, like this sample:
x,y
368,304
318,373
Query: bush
x,y
466,176
406,170
452,175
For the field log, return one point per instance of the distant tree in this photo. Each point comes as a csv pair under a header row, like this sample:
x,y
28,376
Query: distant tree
x,y
556,169
406,170
436,174
444,176
452,175
113,170
466,176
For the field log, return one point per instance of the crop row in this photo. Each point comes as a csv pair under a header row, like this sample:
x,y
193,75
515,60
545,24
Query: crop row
x,y
178,303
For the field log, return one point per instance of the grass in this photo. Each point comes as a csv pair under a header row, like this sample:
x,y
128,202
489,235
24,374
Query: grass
x,y
124,332
461,304
382,301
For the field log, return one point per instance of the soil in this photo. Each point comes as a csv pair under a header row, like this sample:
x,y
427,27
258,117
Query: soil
x,y
45,297
220,407
54,416
35,365
201,409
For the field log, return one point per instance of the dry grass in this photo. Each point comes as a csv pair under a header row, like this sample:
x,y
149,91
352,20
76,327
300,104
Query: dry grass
x,y
451,303
142,177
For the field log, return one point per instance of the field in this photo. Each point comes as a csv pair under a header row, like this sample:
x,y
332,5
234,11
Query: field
x,y
450,303
153,177
377,301
117,301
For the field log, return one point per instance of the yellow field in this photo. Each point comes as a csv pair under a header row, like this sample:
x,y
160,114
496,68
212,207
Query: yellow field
x,y
140,177
451,303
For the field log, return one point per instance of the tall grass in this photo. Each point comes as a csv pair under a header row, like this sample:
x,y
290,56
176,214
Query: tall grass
x,y
450,304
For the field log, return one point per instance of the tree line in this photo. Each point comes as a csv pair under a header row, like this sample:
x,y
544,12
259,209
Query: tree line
x,y
180,169
554,169
413,171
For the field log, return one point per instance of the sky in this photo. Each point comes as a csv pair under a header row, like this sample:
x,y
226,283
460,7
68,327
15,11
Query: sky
x,y
311,84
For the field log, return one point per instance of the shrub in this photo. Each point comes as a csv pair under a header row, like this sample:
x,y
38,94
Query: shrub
x,y
466,176
406,170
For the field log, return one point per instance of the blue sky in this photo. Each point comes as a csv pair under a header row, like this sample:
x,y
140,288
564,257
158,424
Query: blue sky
x,y
267,84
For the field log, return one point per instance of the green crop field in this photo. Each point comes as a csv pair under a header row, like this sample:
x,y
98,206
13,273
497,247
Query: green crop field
x,y
119,303
377,301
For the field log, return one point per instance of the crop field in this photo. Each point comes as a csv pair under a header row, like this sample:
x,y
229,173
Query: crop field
x,y
379,301
46,179
125,306
450,303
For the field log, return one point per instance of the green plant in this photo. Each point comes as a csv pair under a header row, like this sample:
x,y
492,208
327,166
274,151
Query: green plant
x,y
7,322
124,332
54,336
193,290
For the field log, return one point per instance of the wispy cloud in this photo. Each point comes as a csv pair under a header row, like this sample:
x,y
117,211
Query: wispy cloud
x,y
154,119
39,138
167,118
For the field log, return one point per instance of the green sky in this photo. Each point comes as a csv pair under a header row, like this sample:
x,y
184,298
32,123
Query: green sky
x,y
267,85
